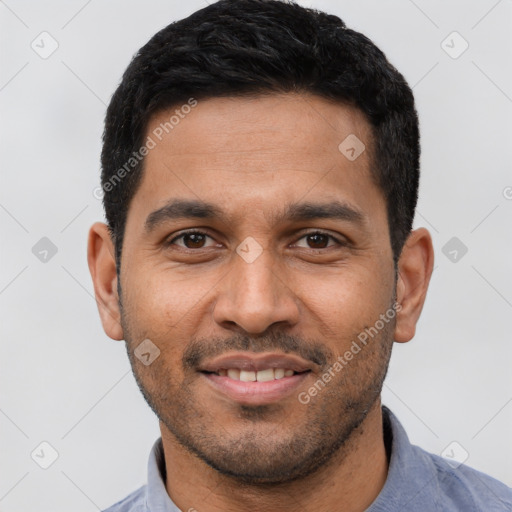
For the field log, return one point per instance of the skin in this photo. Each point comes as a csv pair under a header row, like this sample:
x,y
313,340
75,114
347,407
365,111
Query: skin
x,y
251,157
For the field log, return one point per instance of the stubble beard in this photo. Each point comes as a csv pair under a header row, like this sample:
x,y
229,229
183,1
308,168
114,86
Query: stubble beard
x,y
265,449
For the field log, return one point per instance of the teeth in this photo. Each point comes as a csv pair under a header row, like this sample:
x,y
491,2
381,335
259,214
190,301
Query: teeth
x,y
252,376
279,373
246,376
265,375
233,373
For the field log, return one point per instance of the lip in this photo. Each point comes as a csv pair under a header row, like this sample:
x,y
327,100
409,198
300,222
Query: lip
x,y
255,362
256,393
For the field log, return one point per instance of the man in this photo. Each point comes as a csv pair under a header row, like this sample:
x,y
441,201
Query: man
x,y
260,168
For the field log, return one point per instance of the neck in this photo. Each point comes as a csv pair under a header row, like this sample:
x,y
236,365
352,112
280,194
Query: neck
x,y
351,481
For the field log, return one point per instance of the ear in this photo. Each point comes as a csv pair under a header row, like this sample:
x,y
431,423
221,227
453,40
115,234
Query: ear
x,y
414,270
102,266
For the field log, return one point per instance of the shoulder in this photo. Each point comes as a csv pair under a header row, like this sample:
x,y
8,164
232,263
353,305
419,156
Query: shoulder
x,y
460,487
134,502
419,480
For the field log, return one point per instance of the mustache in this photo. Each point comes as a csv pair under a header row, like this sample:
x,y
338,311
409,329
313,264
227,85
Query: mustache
x,y
199,350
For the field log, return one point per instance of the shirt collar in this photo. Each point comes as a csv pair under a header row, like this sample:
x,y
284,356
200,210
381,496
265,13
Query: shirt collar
x,y
157,499
411,480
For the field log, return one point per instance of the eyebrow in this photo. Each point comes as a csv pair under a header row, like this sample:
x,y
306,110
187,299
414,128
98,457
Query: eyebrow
x,y
331,210
181,209
195,209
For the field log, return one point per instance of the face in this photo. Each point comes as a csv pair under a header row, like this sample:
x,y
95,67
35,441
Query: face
x,y
255,253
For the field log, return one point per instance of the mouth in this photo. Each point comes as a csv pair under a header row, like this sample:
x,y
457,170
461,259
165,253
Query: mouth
x,y
256,379
265,375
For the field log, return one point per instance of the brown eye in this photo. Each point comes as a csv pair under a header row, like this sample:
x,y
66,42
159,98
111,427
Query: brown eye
x,y
318,241
193,240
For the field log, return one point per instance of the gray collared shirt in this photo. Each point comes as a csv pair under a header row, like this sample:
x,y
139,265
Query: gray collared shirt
x,y
417,481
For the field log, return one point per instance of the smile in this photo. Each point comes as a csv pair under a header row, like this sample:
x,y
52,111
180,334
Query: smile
x,y
256,379
253,376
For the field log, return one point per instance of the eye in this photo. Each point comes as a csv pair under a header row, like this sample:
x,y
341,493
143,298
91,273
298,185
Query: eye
x,y
317,240
192,240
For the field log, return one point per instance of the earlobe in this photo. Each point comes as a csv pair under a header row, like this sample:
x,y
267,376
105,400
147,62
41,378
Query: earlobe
x,y
102,266
414,271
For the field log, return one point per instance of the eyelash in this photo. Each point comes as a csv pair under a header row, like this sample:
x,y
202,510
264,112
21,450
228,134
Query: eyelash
x,y
197,232
185,233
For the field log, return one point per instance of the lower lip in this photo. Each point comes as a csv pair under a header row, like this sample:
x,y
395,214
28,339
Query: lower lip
x,y
256,393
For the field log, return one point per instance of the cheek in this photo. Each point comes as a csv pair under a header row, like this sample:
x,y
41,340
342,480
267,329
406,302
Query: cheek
x,y
165,305
344,303
164,297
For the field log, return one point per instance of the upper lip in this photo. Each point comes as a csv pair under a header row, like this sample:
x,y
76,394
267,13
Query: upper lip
x,y
255,362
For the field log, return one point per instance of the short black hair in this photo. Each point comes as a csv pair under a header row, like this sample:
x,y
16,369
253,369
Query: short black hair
x,y
258,47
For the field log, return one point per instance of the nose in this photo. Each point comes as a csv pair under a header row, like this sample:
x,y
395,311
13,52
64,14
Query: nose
x,y
253,297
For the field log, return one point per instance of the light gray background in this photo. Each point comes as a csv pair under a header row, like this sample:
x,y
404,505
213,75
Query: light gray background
x,y
63,381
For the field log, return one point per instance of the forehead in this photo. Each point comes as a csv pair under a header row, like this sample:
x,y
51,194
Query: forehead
x,y
270,150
